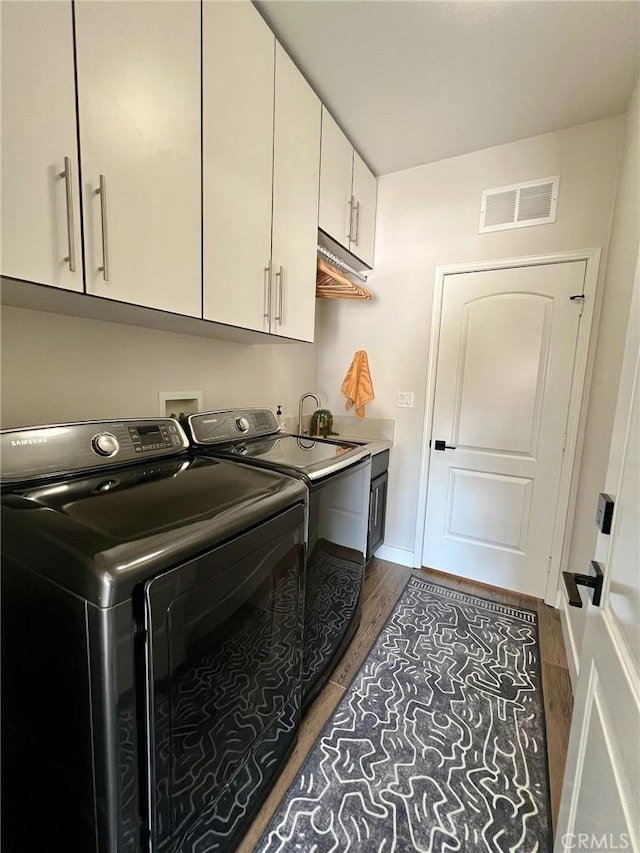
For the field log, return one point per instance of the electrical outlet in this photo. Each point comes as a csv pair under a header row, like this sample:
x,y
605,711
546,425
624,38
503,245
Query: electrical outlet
x,y
405,400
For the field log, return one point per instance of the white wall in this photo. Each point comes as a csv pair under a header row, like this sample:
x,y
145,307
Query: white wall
x,y
429,216
57,368
617,292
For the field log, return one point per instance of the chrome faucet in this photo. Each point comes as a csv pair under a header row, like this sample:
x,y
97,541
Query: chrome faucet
x,y
300,405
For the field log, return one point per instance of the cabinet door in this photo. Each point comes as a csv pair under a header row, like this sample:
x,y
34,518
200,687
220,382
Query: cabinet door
x,y
139,118
336,176
377,513
296,168
365,191
39,120
238,70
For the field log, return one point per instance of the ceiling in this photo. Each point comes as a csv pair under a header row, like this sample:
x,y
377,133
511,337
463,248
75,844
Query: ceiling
x,y
413,81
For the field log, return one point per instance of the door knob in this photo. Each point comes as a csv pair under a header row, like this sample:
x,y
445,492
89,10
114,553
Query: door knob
x,y
594,581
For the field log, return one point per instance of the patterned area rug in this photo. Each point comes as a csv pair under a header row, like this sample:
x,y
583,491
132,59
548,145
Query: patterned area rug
x,y
437,745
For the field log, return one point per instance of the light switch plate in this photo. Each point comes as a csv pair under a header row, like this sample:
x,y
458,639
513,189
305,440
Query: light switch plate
x,y
405,399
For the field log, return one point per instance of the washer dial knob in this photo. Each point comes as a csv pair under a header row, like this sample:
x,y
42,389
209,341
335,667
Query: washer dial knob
x,y
242,424
105,444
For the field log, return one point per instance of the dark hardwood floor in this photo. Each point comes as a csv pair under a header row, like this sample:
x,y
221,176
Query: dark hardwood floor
x,y
383,585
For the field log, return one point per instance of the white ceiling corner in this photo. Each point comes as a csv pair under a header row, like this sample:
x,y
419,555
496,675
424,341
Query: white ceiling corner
x,y
413,81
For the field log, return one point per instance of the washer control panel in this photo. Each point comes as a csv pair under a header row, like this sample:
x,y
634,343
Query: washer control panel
x,y
230,425
68,448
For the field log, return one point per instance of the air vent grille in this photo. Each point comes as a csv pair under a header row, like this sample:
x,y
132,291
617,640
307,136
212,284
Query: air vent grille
x,y
519,205
500,208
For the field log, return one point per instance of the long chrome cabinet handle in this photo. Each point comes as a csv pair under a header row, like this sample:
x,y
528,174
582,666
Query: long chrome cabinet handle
x,y
356,208
375,514
350,231
280,280
71,237
267,294
102,192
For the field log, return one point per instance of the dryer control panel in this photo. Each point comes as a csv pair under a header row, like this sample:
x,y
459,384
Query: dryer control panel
x,y
230,425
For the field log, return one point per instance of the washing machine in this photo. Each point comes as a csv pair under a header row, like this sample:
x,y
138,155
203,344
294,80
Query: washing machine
x,y
152,617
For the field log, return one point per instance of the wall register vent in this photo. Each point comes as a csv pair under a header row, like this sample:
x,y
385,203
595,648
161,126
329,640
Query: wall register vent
x,y
519,205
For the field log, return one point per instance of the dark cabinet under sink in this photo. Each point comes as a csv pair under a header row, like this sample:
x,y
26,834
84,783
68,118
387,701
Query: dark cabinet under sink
x,y
377,502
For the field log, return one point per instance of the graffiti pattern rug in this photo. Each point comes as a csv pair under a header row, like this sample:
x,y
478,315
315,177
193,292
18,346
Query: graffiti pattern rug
x,y
437,745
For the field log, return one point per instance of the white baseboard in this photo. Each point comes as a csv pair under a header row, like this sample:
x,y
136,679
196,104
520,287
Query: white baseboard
x,y
395,555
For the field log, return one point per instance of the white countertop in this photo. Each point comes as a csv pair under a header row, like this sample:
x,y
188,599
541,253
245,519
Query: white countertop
x,y
373,445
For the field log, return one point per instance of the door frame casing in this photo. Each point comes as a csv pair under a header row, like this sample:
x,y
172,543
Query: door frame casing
x,y
578,399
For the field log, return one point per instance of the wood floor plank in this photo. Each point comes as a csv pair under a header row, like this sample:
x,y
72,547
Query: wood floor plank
x,y
311,726
558,706
373,577
550,634
528,602
483,590
441,578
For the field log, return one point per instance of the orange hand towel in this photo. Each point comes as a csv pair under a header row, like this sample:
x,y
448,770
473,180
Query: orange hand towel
x,y
357,386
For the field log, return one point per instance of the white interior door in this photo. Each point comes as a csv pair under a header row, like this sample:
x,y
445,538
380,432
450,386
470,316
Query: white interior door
x,y
504,374
600,805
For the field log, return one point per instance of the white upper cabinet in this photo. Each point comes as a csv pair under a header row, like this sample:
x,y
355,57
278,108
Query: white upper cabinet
x,y
336,178
198,144
348,192
238,86
261,134
296,167
138,67
40,199
365,194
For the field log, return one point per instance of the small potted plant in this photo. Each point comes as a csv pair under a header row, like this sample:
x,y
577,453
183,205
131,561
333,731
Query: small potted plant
x,y
321,423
